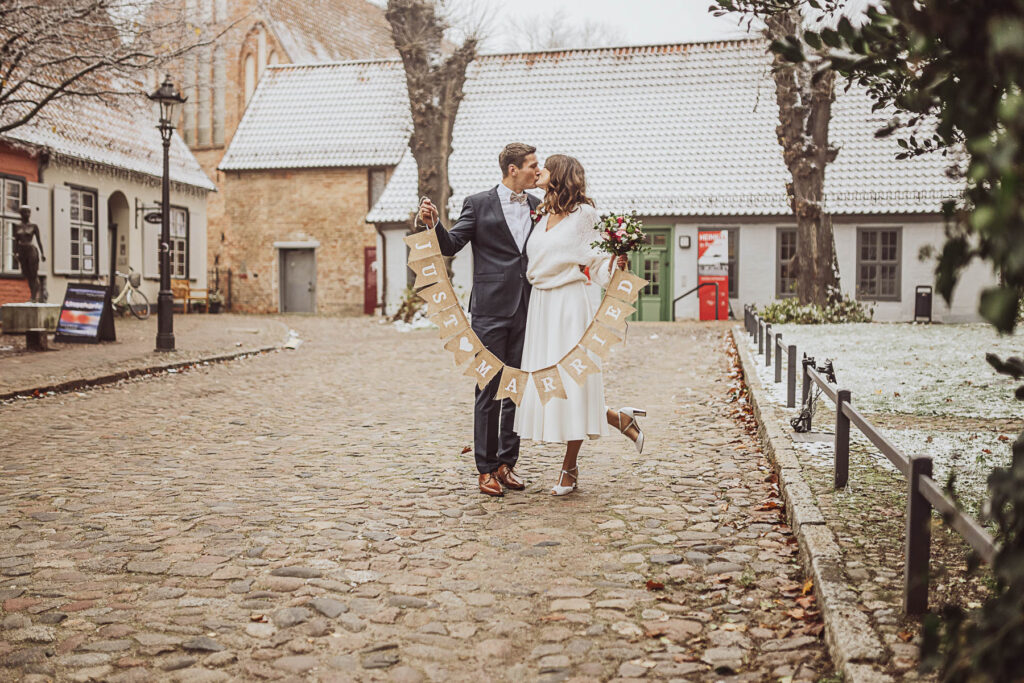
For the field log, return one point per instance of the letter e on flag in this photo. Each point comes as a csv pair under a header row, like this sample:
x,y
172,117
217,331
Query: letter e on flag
x,y
613,313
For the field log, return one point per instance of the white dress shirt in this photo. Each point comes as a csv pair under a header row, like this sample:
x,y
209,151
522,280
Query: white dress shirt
x,y
517,215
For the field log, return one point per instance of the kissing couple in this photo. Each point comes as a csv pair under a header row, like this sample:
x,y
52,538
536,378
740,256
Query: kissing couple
x,y
529,307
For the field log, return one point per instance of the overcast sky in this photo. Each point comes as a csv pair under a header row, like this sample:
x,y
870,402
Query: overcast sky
x,y
631,22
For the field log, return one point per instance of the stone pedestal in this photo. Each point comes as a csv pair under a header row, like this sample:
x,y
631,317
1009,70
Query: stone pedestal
x,y
35,321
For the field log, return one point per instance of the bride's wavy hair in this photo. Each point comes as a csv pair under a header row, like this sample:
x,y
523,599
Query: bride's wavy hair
x,y
567,186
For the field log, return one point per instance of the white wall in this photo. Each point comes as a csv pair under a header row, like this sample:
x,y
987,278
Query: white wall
x,y
397,270
105,184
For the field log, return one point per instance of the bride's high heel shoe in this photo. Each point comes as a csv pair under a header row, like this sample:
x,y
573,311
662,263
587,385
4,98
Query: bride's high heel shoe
x,y
632,414
559,490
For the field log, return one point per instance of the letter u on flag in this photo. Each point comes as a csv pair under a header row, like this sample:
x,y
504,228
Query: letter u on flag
x,y
548,384
428,271
625,286
512,385
483,368
422,245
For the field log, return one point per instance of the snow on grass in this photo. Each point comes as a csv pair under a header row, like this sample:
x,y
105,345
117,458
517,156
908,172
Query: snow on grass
x,y
936,370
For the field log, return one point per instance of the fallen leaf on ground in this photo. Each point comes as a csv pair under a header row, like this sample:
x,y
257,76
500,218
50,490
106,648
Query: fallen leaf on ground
x,y
553,617
905,636
768,505
808,585
655,585
806,601
465,450
796,613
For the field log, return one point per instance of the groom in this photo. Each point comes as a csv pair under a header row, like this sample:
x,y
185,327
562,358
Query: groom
x,y
498,224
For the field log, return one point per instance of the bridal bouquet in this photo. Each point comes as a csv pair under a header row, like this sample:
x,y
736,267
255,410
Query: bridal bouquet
x,y
620,234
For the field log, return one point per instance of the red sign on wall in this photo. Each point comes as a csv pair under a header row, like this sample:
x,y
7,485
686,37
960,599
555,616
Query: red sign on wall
x,y
713,267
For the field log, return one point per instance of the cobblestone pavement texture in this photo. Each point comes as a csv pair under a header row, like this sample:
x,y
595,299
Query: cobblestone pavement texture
x,y
196,336
309,515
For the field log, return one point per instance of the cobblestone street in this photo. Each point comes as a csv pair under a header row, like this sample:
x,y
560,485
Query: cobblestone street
x,y
310,515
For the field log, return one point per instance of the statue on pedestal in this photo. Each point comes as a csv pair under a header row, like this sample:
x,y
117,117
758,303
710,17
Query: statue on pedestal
x,y
28,256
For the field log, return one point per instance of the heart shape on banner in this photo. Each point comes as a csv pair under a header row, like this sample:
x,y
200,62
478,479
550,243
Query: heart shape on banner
x,y
465,344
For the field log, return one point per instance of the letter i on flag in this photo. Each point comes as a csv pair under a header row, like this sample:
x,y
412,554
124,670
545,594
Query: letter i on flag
x,y
512,384
548,384
600,339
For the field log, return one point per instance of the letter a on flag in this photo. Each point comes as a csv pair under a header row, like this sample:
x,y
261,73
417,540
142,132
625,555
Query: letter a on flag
x,y
512,384
422,245
548,383
483,368
625,286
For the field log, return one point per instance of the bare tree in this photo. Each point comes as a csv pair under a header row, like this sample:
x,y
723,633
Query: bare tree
x,y
435,72
805,96
64,50
556,32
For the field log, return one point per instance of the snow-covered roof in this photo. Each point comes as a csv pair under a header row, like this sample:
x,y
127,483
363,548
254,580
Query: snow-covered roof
x,y
672,130
322,115
329,30
120,134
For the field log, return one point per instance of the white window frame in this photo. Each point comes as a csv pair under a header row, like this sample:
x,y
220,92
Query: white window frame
x,y
179,229
9,216
84,251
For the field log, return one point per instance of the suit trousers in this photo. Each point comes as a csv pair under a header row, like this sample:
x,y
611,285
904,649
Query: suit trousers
x,y
494,442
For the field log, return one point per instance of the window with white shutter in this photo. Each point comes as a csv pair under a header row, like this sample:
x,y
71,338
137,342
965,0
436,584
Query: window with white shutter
x,y
12,190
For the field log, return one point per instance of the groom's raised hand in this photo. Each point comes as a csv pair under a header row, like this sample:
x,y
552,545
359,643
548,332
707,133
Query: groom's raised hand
x,y
428,213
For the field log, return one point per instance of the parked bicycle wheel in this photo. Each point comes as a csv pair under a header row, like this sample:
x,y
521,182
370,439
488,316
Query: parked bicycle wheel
x,y
138,304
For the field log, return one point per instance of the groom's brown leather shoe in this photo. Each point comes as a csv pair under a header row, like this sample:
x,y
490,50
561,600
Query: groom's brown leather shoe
x,y
509,478
490,485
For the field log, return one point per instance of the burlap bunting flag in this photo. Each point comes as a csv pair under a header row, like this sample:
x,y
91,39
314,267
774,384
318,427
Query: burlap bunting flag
x,y
464,346
512,384
548,383
625,286
579,365
600,339
450,322
422,245
613,313
439,296
483,368
428,271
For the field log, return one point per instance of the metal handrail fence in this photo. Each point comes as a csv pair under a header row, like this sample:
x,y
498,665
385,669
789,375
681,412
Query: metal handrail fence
x,y
923,492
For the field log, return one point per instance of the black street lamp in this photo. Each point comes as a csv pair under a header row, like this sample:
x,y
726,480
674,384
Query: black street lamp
x,y
170,99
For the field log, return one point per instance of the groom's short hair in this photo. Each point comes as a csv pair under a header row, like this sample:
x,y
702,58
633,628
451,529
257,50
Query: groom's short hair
x,y
515,153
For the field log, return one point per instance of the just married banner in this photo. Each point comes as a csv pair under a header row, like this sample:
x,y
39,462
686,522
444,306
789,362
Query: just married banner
x,y
444,310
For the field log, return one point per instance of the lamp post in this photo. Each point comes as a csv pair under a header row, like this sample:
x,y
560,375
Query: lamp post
x,y
170,99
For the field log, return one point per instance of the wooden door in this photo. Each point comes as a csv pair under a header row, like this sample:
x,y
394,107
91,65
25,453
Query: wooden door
x,y
298,281
370,280
655,266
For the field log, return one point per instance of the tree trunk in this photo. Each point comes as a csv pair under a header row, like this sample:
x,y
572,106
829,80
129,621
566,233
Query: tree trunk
x,y
805,109
434,78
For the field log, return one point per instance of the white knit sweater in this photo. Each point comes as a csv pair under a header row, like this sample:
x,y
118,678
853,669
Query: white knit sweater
x,y
556,255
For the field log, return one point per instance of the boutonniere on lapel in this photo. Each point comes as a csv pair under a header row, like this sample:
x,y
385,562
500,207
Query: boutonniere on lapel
x,y
535,215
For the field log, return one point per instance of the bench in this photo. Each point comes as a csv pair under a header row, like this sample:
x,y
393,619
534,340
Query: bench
x,y
186,295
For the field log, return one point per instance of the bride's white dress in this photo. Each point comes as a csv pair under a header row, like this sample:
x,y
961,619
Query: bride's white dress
x,y
561,309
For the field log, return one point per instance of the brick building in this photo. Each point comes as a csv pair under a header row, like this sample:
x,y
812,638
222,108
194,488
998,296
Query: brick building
x,y
220,79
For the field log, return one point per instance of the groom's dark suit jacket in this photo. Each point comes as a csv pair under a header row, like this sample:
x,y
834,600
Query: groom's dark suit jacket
x,y
499,268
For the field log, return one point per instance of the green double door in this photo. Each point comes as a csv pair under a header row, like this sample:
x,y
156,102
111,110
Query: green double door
x,y
655,266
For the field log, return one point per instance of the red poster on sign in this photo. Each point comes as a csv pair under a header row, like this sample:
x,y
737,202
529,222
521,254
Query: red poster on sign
x,y
713,267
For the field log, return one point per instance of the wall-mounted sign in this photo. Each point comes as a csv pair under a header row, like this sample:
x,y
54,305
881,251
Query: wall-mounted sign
x,y
153,217
713,267
86,315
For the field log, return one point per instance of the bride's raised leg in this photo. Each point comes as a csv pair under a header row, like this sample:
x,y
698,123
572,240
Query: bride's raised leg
x,y
623,424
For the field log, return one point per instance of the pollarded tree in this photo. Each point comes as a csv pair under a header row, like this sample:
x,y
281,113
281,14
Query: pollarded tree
x,y
435,72
805,98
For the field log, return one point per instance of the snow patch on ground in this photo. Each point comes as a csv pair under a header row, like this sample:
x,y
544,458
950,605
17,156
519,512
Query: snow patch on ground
x,y
933,370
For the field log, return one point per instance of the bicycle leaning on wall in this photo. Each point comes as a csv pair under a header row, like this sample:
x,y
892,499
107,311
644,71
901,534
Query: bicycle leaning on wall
x,y
131,297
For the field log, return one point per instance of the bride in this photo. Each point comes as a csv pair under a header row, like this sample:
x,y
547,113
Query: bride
x,y
560,312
